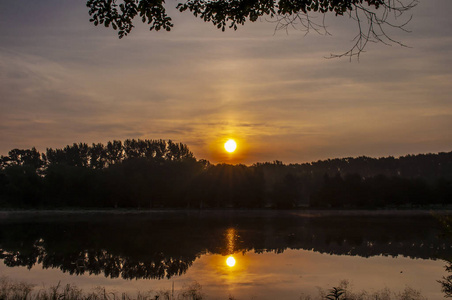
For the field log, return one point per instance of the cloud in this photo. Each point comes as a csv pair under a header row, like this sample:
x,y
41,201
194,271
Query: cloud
x,y
62,80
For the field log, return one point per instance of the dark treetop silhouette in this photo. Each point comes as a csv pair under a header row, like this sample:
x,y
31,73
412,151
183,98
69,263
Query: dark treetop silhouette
x,y
164,174
373,17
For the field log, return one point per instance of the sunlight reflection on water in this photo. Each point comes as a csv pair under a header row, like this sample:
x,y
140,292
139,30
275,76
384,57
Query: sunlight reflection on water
x,y
267,275
270,261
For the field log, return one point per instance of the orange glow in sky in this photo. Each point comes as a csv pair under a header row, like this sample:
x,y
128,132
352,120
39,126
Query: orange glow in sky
x,y
225,149
277,95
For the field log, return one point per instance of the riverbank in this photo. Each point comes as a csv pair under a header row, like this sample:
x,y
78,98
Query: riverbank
x,y
251,212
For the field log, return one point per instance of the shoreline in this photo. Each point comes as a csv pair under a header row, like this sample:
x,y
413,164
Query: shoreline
x,y
238,212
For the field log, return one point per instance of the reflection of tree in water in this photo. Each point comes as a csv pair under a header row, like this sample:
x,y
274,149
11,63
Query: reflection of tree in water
x,y
158,245
113,249
156,266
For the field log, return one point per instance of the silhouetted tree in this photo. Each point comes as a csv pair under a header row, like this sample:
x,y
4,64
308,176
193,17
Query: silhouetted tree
x,y
287,193
114,152
97,156
157,173
23,157
373,17
20,186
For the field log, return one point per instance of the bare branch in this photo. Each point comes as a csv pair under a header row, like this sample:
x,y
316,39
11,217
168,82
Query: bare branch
x,y
373,23
373,17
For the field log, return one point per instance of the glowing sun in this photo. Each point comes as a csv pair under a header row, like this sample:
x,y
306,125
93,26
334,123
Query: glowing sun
x,y
230,261
230,146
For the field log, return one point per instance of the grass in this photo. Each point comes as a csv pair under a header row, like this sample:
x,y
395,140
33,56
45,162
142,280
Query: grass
x,y
14,290
344,292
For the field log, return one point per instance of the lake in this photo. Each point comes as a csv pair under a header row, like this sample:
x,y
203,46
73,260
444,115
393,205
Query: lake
x,y
277,254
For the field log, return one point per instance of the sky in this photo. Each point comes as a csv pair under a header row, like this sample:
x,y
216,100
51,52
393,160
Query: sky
x,y
65,81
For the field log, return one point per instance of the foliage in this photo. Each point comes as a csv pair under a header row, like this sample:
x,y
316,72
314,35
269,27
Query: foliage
x,y
446,282
158,173
371,16
344,292
335,294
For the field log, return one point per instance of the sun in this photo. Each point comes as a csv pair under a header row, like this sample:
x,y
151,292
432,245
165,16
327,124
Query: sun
x,y
230,261
230,145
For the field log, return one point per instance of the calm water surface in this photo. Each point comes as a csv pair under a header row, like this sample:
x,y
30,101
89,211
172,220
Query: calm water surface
x,y
278,255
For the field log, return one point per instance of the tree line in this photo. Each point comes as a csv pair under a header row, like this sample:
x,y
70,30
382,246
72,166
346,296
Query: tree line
x,y
164,174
